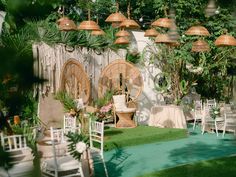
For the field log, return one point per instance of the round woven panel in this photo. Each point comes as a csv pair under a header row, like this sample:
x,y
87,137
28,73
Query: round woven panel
x,y
151,33
128,23
65,24
225,40
198,31
115,17
122,76
163,22
200,46
88,25
74,80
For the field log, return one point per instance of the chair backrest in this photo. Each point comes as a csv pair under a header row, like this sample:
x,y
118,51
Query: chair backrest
x,y
13,142
119,101
69,123
211,103
96,134
198,105
57,135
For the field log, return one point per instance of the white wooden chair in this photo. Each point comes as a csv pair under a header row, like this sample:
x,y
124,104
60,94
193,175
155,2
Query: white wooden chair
x,y
62,164
211,103
69,123
96,136
21,154
198,112
230,122
209,121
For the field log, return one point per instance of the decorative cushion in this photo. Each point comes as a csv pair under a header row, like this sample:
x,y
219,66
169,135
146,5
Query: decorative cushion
x,y
119,102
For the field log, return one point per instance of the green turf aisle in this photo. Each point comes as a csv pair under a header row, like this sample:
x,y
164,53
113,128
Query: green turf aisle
x,y
142,159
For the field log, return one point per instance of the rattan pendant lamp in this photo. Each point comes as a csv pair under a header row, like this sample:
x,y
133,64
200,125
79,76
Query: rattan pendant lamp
x,y
197,31
89,24
116,18
122,33
65,24
121,41
200,46
225,40
129,23
98,32
151,33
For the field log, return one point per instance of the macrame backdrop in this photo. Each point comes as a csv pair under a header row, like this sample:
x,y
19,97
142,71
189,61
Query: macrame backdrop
x,y
49,61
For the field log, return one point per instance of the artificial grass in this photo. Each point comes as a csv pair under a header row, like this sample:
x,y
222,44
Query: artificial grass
x,y
211,168
118,138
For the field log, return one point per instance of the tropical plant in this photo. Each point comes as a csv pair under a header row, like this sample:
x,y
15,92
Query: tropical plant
x,y
67,101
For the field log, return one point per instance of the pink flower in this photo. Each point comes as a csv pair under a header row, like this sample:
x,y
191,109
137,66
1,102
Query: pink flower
x,y
106,108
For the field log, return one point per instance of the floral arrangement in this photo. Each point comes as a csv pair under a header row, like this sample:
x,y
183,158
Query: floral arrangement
x,y
78,143
214,112
107,108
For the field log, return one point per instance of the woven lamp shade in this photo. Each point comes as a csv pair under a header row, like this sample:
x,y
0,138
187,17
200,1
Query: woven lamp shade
x,y
130,24
198,31
200,46
163,38
225,40
150,33
122,40
98,33
122,33
88,25
115,17
163,22
173,44
65,24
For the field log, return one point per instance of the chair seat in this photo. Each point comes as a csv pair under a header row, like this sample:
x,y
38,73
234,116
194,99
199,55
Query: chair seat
x,y
126,110
64,163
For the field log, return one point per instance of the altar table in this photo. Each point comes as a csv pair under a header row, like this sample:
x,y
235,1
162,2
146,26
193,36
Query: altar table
x,y
169,116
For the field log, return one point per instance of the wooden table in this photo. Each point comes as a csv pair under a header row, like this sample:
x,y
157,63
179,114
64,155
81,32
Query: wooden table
x,y
125,120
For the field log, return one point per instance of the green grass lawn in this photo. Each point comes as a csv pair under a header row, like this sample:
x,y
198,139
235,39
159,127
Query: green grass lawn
x,y
121,137
212,168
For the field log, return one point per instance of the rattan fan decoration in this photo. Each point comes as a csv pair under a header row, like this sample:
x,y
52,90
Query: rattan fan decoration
x,y
225,40
198,31
121,76
200,46
74,80
162,22
65,24
151,33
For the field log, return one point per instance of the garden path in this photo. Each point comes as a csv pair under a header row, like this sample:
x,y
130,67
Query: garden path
x,y
138,160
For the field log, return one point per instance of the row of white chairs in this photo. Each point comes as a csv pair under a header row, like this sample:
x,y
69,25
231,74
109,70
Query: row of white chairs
x,y
202,114
62,163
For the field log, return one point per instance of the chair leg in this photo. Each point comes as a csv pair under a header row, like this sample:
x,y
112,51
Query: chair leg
x,y
194,124
224,130
216,128
203,129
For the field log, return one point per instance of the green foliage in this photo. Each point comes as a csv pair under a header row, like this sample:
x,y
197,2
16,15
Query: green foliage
x,y
66,100
107,98
73,139
133,56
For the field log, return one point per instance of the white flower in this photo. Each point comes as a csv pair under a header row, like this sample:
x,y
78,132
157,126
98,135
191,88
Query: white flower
x,y
81,147
216,112
189,66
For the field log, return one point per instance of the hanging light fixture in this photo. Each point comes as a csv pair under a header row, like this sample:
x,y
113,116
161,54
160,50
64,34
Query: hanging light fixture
x,y
198,31
122,40
225,40
116,18
89,24
163,38
99,32
129,23
200,46
122,33
64,23
211,8
151,33
162,22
